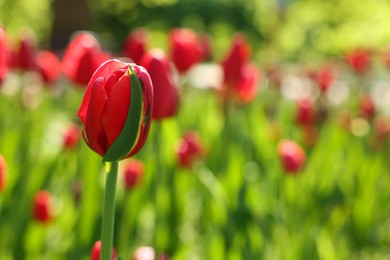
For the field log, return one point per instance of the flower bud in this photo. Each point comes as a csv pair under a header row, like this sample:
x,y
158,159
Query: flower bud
x,y
71,137
3,173
359,61
23,57
166,97
4,55
185,48
95,253
144,253
116,110
42,208
292,156
132,173
48,66
189,149
305,114
135,43
82,57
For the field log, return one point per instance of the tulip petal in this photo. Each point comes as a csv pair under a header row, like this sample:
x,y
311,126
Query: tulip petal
x,y
117,107
97,139
147,93
104,71
129,135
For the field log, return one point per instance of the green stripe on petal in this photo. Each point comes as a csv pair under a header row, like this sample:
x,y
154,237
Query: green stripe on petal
x,y
128,137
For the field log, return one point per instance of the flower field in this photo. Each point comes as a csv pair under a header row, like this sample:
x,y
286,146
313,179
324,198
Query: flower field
x,y
242,161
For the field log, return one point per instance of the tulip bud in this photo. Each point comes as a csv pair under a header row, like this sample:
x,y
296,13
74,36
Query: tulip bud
x,y
367,106
189,149
144,253
24,56
166,97
359,61
48,66
246,88
95,254
237,57
292,156
82,57
306,114
42,208
324,78
3,173
116,110
134,46
133,172
71,137
185,48
4,53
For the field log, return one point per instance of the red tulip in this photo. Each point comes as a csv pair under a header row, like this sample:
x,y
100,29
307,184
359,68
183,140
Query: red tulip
x,y
166,97
42,209
4,55
71,137
189,149
367,106
95,254
3,173
24,56
144,253
116,110
306,114
382,128
237,57
245,89
48,66
359,60
185,48
324,78
292,156
133,172
135,44
82,57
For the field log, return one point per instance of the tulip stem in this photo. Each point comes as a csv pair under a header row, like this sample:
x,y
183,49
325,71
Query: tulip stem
x,y
109,211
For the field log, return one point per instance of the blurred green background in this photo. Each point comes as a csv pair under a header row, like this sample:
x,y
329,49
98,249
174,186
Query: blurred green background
x,y
277,29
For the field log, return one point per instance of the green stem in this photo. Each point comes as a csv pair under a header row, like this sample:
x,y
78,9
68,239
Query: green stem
x,y
109,212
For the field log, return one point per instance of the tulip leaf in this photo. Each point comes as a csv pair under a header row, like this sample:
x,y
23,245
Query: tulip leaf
x,y
128,137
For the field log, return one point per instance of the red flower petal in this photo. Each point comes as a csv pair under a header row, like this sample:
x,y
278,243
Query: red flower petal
x,y
117,106
97,139
104,71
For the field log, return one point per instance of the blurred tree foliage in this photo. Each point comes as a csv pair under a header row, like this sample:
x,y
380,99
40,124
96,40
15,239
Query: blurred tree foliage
x,y
287,29
16,15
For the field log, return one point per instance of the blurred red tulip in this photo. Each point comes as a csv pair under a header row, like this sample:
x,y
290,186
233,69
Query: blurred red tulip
x,y
166,97
144,253
292,156
189,149
42,208
247,85
133,172
185,48
324,78
4,55
237,57
3,173
71,137
82,57
113,127
367,106
359,60
48,66
306,114
23,57
135,44
95,253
